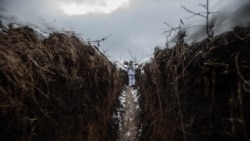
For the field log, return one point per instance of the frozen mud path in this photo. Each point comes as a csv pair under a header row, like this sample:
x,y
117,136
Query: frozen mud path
x,y
128,130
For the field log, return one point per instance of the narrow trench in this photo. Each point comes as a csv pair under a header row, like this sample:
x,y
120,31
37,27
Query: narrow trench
x,y
128,116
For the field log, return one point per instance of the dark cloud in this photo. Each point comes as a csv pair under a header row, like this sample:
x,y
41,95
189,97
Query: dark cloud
x,y
135,29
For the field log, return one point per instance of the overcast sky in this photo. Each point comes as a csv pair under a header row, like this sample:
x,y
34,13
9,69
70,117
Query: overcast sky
x,y
135,26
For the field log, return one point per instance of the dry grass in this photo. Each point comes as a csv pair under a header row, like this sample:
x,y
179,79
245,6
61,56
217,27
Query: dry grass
x,y
199,92
55,89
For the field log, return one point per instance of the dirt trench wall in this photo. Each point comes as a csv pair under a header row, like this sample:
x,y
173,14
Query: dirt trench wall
x,y
199,92
57,89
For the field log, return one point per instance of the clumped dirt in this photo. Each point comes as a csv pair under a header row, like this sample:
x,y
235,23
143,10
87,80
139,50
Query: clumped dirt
x,y
56,89
199,92
129,129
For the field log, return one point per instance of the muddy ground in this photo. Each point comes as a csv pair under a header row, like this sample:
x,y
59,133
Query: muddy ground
x,y
128,130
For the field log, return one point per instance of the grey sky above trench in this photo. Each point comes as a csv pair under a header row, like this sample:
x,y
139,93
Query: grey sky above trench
x,y
135,26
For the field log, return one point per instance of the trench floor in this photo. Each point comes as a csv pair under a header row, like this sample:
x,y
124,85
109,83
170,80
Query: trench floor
x,y
128,129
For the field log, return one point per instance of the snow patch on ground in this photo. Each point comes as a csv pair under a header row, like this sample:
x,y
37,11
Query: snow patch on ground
x,y
136,97
122,98
128,114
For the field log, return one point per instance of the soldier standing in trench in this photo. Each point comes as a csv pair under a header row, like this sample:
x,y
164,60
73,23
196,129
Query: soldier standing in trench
x,y
131,74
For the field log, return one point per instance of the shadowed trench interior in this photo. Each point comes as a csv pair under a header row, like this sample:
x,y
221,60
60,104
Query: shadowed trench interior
x,y
61,88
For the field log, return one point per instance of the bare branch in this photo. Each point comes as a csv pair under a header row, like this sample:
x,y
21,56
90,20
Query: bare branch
x,y
194,13
181,22
106,37
203,5
168,25
172,29
168,33
100,40
204,15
